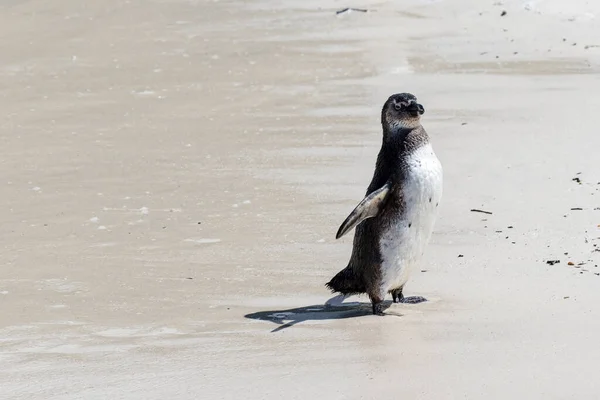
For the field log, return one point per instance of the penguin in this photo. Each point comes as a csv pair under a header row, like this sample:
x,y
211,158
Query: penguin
x,y
395,220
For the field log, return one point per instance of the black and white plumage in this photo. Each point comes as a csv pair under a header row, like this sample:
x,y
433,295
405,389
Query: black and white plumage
x,y
395,220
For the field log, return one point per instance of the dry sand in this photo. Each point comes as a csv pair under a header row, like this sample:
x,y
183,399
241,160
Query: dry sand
x,y
173,174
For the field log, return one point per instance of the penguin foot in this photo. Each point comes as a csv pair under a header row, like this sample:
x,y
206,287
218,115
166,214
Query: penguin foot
x,y
412,300
378,308
397,295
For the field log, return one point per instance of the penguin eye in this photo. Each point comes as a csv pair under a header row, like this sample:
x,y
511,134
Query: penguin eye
x,y
397,107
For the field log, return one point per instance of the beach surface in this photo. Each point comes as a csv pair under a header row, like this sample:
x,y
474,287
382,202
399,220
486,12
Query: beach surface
x,y
173,174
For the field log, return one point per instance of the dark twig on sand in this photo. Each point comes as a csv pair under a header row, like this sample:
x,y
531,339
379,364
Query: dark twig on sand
x,y
348,9
481,211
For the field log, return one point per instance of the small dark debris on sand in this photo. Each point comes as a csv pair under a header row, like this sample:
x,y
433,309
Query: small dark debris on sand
x,y
481,211
576,179
576,209
552,262
349,9
460,256
464,123
503,13
510,227
570,263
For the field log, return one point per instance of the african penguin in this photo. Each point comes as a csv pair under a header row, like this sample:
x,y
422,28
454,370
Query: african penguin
x,y
395,220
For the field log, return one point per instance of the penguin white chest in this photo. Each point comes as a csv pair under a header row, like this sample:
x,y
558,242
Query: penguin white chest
x,y
403,244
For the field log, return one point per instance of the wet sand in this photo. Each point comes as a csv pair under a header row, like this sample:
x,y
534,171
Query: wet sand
x,y
174,173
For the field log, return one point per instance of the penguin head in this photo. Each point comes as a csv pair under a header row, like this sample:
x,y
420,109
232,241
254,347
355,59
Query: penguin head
x,y
401,110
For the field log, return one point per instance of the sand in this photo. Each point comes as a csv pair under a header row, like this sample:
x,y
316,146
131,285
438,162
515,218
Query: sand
x,y
174,172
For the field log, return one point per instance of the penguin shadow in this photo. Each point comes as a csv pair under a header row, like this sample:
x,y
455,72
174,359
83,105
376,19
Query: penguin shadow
x,y
331,310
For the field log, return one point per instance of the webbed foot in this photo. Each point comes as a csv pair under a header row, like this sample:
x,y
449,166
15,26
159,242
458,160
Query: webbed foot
x,y
378,308
398,297
412,300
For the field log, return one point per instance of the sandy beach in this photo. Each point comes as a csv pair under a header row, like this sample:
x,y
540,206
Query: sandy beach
x,y
174,172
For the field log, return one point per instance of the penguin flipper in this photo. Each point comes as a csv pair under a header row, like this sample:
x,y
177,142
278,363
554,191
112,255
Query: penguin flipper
x,y
368,208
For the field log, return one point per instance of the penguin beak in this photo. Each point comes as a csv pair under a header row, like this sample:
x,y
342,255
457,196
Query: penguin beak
x,y
415,109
